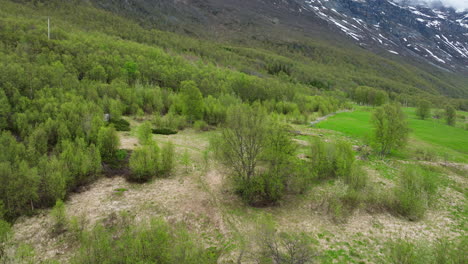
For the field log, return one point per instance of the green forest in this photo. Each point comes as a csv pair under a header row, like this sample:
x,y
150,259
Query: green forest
x,y
235,127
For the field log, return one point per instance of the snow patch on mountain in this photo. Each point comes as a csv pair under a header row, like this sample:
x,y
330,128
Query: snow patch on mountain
x,y
435,34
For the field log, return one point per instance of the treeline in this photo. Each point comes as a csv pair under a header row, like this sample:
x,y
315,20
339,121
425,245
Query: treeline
x,y
366,95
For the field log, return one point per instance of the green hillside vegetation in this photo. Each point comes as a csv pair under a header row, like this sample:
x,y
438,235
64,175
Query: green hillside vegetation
x,y
310,63
208,147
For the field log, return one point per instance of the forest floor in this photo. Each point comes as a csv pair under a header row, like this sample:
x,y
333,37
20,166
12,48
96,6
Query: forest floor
x,y
199,196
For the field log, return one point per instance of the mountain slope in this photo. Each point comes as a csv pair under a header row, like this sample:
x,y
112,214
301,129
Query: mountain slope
x,y
438,35
287,24
251,42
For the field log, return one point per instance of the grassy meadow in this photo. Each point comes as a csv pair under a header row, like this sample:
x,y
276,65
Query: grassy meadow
x,y
445,142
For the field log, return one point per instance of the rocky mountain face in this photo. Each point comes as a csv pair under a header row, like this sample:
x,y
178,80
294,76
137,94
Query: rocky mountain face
x,y
434,34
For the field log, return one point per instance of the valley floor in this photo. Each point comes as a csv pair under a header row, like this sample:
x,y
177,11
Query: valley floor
x,y
198,196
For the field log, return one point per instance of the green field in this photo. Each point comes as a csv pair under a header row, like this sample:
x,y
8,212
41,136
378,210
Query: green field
x,y
447,141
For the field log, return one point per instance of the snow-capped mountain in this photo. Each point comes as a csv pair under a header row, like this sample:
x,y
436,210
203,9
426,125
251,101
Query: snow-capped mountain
x,y
435,33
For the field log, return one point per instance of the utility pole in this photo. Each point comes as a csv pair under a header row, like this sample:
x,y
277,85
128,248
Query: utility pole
x,y
48,27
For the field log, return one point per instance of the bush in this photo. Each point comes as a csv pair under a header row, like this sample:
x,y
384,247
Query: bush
x,y
59,217
423,110
451,251
201,125
193,105
167,159
450,115
215,111
330,160
120,124
145,133
144,163
53,180
164,131
422,252
259,153
5,232
282,247
170,121
186,160
108,143
156,242
425,154
82,162
414,192
404,252
357,178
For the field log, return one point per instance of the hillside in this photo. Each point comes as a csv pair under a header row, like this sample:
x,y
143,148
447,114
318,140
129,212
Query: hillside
x,y
431,40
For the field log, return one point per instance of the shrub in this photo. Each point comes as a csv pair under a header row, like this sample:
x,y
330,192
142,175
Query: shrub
x,y
59,217
343,158
414,192
18,188
321,166
144,163
145,133
120,124
443,250
330,160
259,153
425,154
201,125
283,247
108,143
167,159
215,111
404,252
451,251
83,162
5,231
424,109
193,105
186,161
357,178
156,242
450,115
170,121
53,180
164,131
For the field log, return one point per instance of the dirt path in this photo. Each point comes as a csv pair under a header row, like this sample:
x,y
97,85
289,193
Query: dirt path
x,y
323,118
461,166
